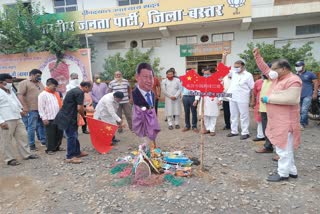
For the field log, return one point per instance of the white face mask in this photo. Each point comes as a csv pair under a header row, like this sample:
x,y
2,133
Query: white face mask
x,y
273,75
237,70
75,82
8,86
298,69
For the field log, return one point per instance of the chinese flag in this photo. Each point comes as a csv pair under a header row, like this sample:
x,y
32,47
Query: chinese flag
x,y
192,81
101,134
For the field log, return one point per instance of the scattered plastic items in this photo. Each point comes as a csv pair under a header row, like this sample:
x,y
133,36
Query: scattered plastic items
x,y
119,168
174,181
177,159
122,182
137,167
183,172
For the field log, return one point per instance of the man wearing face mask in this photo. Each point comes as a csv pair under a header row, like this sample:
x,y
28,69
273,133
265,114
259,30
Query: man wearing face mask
x,y
9,80
12,129
308,93
282,102
99,89
122,85
28,92
74,81
49,103
240,87
171,88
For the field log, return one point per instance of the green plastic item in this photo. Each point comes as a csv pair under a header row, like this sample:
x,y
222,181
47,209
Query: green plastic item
x,y
173,180
119,168
122,182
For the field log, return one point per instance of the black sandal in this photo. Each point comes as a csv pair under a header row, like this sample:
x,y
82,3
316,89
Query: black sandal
x,y
13,163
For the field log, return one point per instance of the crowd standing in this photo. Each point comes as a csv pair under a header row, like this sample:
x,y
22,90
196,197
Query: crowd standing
x,y
280,99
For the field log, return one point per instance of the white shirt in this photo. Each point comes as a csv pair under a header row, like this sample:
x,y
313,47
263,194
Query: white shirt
x,y
106,109
48,106
241,86
70,86
226,81
10,106
144,94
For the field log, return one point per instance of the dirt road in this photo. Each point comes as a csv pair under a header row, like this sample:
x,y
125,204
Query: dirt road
x,y
235,182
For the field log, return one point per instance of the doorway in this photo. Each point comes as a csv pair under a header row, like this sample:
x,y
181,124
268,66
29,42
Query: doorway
x,y
199,62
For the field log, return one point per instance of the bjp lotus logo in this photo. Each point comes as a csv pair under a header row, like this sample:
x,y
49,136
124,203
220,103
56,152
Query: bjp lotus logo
x,y
236,4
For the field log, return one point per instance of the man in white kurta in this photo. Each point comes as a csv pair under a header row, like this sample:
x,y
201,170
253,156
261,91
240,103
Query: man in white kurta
x,y
171,88
106,109
241,85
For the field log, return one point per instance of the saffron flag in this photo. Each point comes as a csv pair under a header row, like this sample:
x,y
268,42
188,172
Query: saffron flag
x,y
101,134
194,82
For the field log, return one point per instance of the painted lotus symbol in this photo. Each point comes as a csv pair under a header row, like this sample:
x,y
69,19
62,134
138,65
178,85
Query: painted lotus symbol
x,y
236,4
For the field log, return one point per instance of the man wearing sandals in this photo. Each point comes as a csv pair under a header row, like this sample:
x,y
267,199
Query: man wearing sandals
x,y
11,126
67,120
171,88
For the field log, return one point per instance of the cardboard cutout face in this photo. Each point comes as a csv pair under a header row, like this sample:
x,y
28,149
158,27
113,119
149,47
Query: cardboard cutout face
x,y
145,79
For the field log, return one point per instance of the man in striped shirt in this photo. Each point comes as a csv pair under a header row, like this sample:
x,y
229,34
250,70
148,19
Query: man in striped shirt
x,y
123,85
49,104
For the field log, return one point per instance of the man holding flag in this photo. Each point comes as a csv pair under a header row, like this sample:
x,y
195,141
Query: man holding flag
x,y
106,110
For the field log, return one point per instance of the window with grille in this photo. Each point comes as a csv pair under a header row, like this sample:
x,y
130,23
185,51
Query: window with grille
x,y
183,40
129,2
14,7
308,29
61,6
220,37
116,45
265,33
150,43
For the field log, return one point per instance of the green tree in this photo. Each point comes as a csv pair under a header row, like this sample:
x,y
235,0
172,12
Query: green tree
x,y
22,31
127,64
270,53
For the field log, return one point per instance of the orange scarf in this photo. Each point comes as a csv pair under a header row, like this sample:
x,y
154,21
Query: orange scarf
x,y
55,94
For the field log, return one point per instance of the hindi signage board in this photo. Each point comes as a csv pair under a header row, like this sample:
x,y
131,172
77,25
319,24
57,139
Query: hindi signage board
x,y
151,14
205,49
19,66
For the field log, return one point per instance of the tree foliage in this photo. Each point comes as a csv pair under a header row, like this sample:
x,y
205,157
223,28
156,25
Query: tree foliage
x,y
127,64
271,53
22,31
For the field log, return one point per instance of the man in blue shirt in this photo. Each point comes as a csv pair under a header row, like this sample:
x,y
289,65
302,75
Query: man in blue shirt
x,y
189,104
309,91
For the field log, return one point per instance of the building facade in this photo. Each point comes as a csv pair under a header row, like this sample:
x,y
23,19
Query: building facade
x,y
188,33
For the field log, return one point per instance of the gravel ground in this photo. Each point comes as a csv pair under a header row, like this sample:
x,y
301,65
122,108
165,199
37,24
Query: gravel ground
x,y
234,183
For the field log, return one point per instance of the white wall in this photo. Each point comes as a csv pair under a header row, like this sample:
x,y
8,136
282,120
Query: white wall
x,y
169,52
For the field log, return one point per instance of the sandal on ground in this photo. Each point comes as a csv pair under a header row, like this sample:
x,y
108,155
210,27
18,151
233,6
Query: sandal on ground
x,y
13,163
74,160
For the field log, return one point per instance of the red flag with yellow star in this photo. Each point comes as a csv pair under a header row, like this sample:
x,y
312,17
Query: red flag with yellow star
x,y
101,134
194,82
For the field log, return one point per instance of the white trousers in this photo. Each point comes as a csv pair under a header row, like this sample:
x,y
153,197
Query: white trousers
x,y
16,134
286,164
210,123
242,110
170,120
259,130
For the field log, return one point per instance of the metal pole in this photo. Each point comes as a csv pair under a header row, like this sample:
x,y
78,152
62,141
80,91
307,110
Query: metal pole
x,y
202,136
84,19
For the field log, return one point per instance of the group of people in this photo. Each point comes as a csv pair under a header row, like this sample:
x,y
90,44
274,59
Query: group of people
x,y
281,100
38,110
